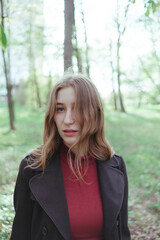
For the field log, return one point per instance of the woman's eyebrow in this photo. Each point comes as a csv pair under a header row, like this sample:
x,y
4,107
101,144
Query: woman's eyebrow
x,y
59,103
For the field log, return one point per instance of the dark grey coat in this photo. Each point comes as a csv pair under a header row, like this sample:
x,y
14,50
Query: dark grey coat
x,y
41,206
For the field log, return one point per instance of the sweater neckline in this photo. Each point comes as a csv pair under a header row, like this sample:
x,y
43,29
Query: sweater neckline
x,y
64,150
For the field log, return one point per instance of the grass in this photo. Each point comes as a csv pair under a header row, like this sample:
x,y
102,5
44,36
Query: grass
x,y
134,135
14,145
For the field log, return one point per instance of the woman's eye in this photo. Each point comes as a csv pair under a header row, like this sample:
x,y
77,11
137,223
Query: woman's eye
x,y
60,109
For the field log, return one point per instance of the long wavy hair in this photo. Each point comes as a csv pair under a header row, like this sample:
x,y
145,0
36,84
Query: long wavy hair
x,y
91,140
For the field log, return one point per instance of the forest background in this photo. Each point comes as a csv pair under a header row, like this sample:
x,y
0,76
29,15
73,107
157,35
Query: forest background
x,y
116,44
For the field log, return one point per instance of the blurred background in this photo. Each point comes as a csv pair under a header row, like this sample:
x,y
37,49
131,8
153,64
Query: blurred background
x,y
116,44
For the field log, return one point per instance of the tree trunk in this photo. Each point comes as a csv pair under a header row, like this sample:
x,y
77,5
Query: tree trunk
x,y
113,89
8,81
69,21
49,86
114,94
76,49
35,80
119,77
149,75
9,94
112,69
120,33
86,43
32,66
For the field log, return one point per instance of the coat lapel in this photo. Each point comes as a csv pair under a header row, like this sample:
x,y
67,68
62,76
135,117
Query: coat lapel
x,y
111,182
48,189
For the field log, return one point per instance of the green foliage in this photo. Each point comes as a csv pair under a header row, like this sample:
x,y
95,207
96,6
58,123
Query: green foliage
x,y
147,11
6,211
3,39
14,145
151,6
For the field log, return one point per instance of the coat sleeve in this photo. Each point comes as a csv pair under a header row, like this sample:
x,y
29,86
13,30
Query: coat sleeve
x,y
125,233
21,228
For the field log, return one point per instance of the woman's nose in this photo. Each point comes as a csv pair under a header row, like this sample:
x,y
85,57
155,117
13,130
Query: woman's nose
x,y
69,117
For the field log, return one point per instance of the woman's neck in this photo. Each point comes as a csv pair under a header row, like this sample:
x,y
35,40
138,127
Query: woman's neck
x,y
74,150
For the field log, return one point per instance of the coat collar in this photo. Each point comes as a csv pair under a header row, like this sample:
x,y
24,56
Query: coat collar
x,y
111,181
49,191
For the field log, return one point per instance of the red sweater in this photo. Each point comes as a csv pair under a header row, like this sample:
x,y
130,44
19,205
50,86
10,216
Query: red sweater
x,y
84,201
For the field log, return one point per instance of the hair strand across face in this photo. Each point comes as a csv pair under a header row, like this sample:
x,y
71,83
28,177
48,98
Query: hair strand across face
x,y
90,117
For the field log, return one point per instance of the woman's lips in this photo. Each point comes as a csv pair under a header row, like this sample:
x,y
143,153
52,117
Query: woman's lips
x,y
69,132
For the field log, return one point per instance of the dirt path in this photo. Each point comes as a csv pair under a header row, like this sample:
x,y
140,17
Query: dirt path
x,y
143,221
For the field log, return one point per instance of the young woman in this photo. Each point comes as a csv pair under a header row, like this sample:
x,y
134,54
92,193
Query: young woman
x,y
72,186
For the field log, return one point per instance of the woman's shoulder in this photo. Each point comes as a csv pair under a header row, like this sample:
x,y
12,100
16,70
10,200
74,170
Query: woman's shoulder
x,y
116,161
117,158
27,161
25,169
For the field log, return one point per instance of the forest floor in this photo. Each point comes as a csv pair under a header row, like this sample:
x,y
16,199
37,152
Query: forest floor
x,y
144,222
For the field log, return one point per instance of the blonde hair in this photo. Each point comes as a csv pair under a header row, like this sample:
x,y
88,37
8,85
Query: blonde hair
x,y
88,107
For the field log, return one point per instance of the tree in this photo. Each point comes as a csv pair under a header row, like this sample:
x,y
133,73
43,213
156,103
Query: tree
x,y
120,31
7,70
81,52
150,62
32,65
34,42
69,23
112,77
76,48
121,28
86,43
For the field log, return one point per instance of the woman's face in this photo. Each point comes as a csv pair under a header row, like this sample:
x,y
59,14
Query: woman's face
x,y
67,126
